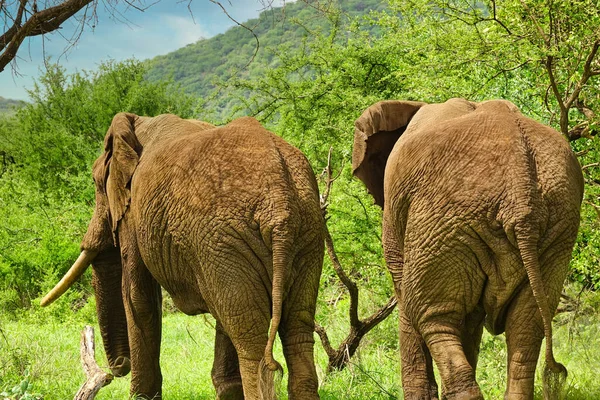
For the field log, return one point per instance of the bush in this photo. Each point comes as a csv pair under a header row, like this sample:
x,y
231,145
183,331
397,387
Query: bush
x,y
47,149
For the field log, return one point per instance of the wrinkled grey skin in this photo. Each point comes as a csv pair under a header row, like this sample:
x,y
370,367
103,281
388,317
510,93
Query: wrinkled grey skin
x,y
227,221
480,214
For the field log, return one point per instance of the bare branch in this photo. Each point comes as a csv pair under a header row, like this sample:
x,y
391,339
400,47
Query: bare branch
x,y
96,378
588,113
251,30
327,174
501,72
349,283
596,164
339,358
495,18
537,24
38,23
587,73
572,100
595,206
325,340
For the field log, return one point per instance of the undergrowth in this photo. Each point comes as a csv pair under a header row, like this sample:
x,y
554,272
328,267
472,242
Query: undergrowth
x,y
39,355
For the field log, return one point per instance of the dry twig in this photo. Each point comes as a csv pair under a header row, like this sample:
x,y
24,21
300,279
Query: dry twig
x,y
96,377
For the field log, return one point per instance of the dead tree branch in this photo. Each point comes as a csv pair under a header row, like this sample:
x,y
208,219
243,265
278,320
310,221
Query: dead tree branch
x,y
28,20
339,358
96,378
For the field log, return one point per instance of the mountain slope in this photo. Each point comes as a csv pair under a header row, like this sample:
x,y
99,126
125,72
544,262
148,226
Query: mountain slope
x,y
198,66
9,105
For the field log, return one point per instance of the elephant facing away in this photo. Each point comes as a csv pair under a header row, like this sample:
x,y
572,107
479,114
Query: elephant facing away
x,y
227,221
480,213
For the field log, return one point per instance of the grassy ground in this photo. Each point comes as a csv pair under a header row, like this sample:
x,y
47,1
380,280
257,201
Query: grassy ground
x,y
48,350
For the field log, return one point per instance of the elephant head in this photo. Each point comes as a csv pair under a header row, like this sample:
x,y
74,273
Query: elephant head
x,y
112,173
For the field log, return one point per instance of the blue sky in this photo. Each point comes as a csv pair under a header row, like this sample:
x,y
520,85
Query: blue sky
x,y
160,29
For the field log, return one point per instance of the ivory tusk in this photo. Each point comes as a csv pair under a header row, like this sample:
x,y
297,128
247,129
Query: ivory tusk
x,y
78,268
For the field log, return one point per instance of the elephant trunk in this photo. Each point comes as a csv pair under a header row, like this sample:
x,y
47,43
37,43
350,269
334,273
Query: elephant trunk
x,y
106,279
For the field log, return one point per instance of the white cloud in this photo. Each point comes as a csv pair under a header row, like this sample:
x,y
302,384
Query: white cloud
x,y
185,30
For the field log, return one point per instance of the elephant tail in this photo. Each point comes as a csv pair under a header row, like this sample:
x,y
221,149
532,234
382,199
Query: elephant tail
x,y
555,374
268,365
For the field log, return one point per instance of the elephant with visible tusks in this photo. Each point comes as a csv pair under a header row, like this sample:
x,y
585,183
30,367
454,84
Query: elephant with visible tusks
x,y
480,213
227,220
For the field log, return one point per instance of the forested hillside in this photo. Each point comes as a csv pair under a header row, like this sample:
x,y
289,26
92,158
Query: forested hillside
x,y
249,51
319,65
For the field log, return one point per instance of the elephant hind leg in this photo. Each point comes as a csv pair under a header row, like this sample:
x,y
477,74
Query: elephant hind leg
x,y
246,322
297,328
225,373
250,346
458,376
418,380
524,326
473,331
298,346
524,334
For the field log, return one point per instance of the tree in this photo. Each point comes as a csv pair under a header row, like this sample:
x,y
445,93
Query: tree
x,y
27,18
553,44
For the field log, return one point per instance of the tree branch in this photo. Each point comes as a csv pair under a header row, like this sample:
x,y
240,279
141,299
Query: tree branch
x,y
38,23
339,358
96,378
596,164
541,32
571,100
251,30
587,73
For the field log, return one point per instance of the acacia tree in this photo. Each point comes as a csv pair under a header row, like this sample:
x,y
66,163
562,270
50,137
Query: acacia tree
x,y
552,44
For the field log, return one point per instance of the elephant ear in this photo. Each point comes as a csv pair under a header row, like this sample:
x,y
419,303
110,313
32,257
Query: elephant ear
x,y
122,151
376,132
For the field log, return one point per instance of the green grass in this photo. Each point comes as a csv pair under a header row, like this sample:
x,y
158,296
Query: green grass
x,y
49,350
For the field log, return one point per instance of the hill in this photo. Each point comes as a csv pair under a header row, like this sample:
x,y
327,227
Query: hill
x,y
9,105
199,66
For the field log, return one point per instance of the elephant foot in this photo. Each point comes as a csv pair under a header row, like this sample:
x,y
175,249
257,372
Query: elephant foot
x,y
420,395
138,396
472,393
518,396
230,391
425,392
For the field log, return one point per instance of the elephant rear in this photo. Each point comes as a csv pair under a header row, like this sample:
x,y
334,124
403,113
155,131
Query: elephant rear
x,y
473,190
245,212
480,213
